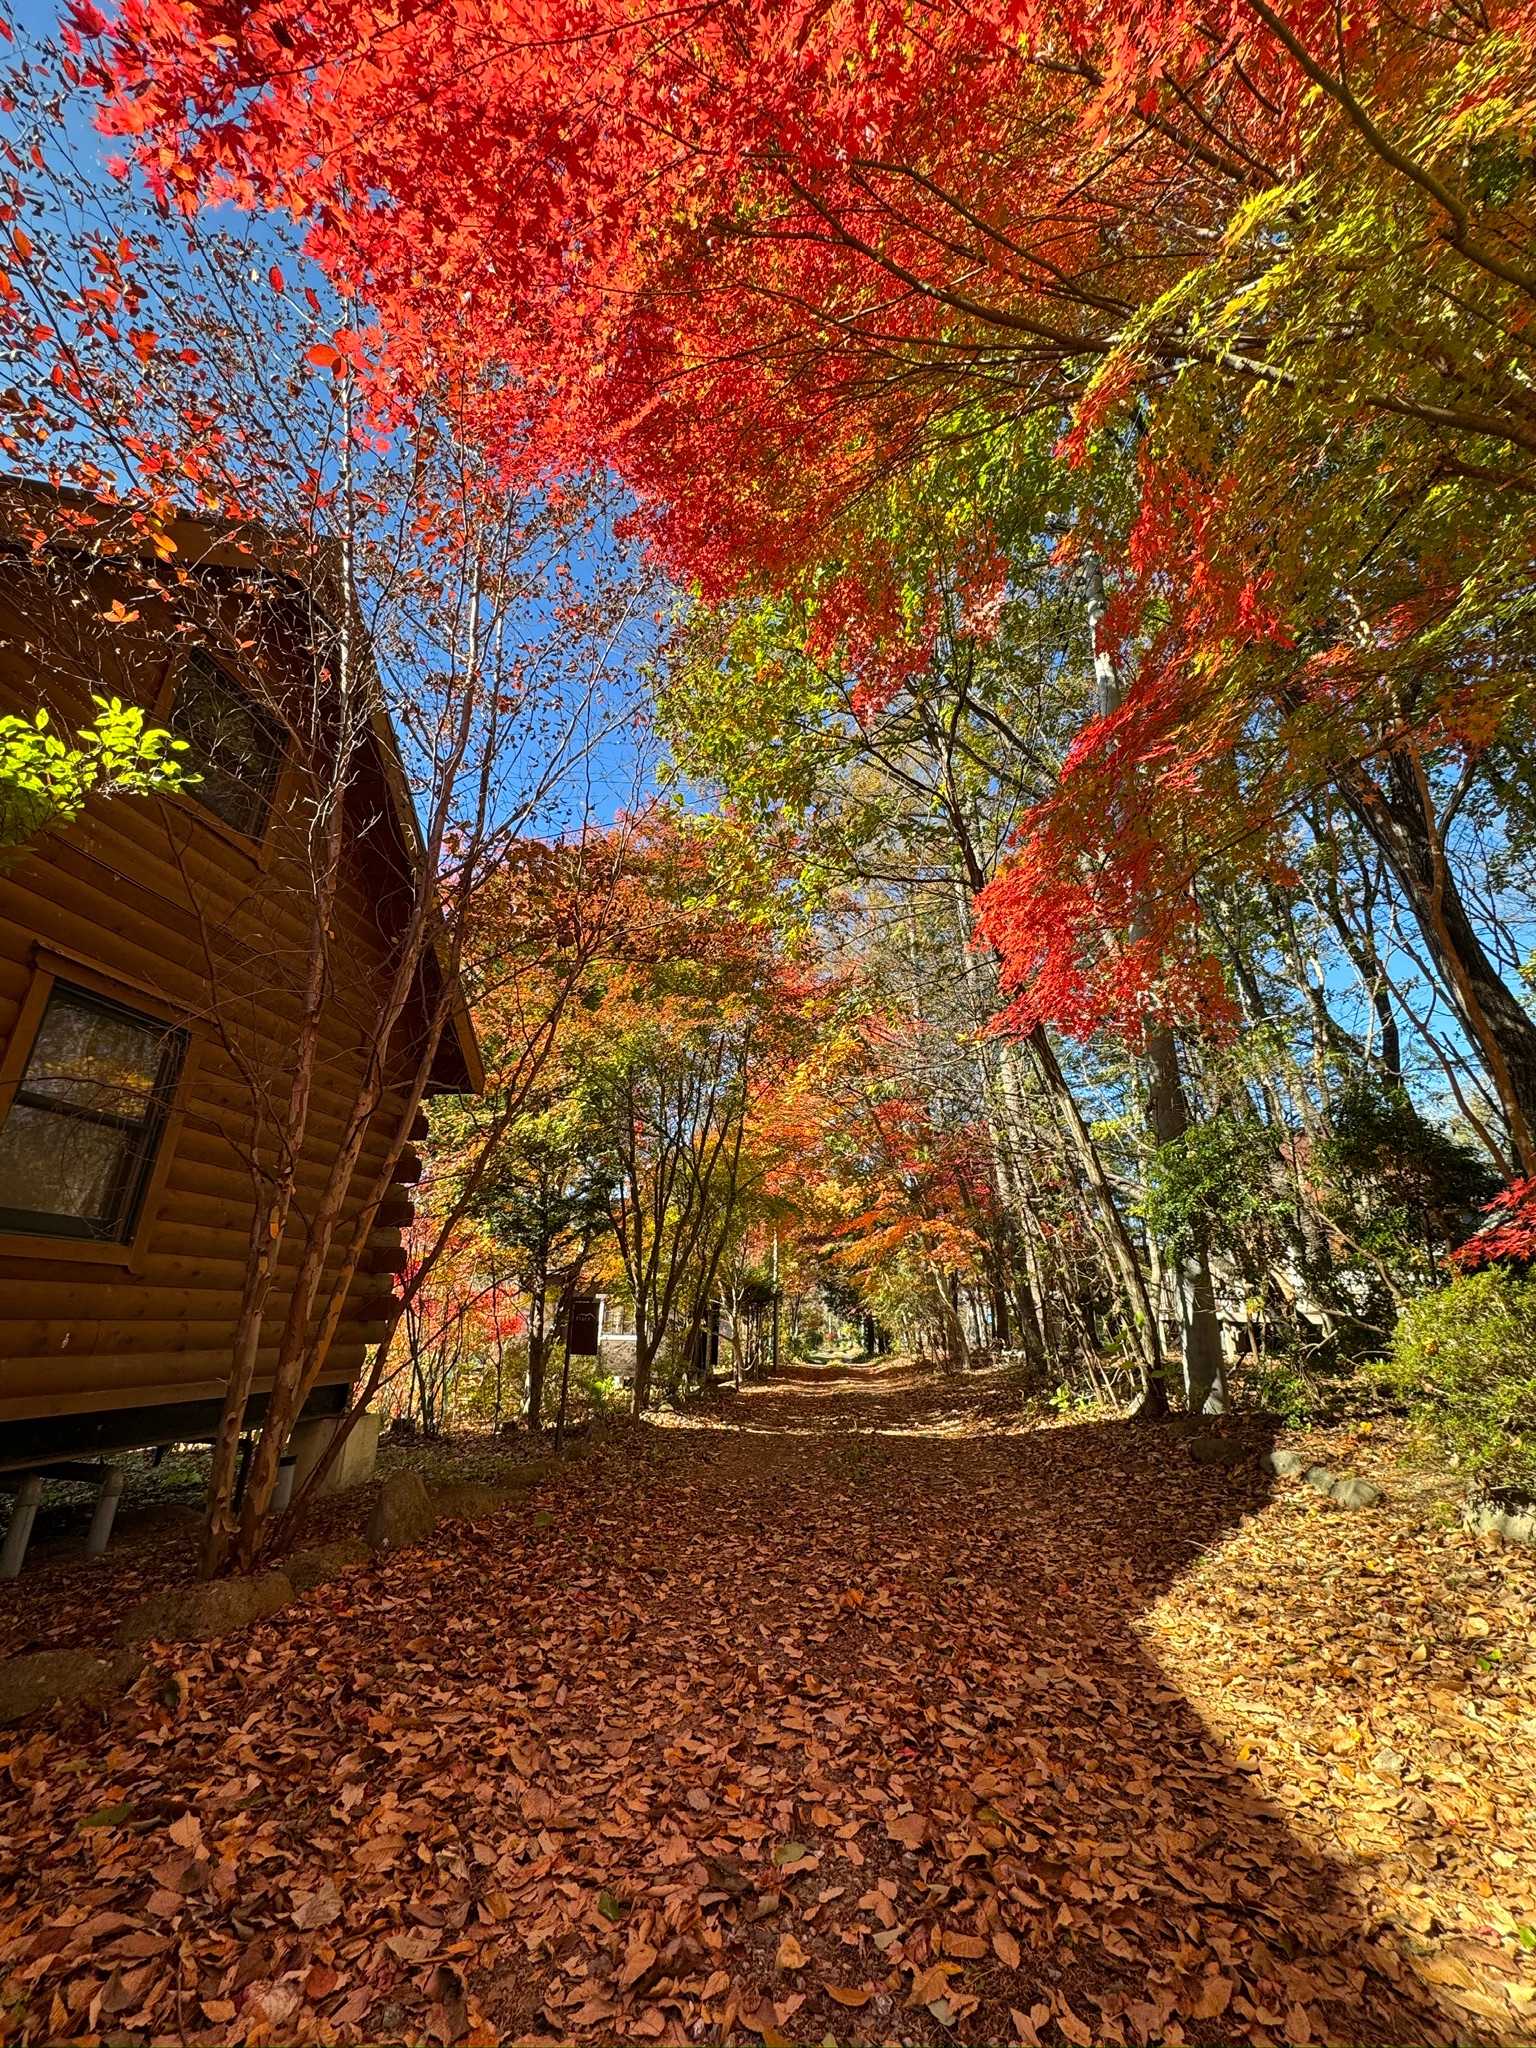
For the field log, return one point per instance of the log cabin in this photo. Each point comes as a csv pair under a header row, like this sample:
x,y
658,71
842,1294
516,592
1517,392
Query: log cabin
x,y
153,958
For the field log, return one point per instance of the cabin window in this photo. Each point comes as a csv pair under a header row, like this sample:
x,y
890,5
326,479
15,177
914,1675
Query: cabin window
x,y
234,746
78,1145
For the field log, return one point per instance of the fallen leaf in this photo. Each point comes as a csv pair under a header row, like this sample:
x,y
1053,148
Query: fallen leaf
x,y
318,1909
791,1956
1075,2030
845,1994
108,1816
415,1948
636,1963
932,1983
186,1833
1283,1710
1215,1997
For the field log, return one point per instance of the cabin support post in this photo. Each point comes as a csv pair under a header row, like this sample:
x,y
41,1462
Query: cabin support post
x,y
18,1534
356,1461
106,1511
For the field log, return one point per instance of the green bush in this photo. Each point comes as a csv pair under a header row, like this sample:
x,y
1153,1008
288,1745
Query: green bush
x,y
1465,1360
1277,1385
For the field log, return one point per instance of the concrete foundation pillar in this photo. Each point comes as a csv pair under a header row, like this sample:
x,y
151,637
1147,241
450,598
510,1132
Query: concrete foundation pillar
x,y
356,1463
19,1530
106,1511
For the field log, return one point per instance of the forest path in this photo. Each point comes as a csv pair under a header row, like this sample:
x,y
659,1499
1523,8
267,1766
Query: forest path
x,y
832,1711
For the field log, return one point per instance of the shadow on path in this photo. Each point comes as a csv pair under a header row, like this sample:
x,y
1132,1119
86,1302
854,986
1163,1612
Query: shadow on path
x,y
953,1596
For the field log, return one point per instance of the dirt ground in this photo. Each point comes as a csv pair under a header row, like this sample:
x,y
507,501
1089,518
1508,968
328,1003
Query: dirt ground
x,y
870,1706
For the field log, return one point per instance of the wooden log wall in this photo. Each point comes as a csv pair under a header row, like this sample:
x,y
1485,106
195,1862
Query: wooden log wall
x,y
155,902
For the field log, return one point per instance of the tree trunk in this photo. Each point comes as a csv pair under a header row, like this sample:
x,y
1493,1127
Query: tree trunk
x,y
537,1349
1205,1372
1398,812
641,1392
1144,1328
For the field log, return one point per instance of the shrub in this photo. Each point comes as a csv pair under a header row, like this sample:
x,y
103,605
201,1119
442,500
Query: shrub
x,y
1465,1360
1401,1188
1277,1385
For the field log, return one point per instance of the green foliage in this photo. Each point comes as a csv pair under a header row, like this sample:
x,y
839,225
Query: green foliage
x,y
543,1191
595,1393
1219,1188
1278,1386
1075,1401
1402,1189
44,781
1464,1357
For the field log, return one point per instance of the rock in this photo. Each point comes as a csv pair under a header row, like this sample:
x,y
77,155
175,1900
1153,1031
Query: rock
x,y
470,1499
1284,1464
511,1479
1181,1426
48,1678
402,1514
1217,1450
1354,1493
1514,1524
1321,1478
309,1568
1506,1511
200,1613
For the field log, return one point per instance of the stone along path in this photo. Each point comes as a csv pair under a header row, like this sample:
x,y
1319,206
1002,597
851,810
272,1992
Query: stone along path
x,y
832,1712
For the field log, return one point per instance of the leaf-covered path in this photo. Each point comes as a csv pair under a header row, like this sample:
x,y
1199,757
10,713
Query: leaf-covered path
x,y
855,1709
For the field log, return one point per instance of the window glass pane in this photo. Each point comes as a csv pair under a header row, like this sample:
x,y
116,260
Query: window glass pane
x,y
232,744
81,1135
52,1165
96,1059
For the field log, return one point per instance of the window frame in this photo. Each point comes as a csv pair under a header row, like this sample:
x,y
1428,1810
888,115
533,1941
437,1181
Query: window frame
x,y
51,966
251,843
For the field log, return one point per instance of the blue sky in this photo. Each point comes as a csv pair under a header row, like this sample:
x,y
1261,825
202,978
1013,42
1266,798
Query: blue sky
x,y
613,771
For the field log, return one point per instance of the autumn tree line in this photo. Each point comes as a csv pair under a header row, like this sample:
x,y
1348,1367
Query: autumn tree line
x,y
1076,474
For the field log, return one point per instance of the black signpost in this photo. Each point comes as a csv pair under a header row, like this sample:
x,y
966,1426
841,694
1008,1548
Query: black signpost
x,y
581,1339
582,1321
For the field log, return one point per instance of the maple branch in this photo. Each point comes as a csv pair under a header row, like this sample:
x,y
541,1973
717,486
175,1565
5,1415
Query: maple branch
x,y
1338,90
